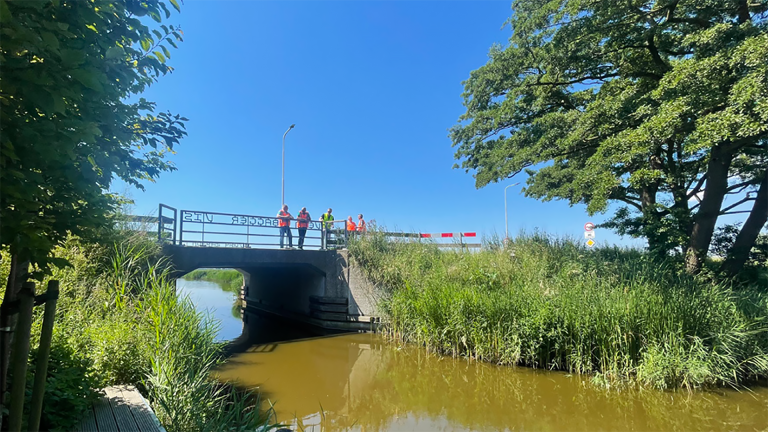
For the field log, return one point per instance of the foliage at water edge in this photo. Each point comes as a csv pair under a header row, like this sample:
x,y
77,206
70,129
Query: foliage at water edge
x,y
550,303
119,321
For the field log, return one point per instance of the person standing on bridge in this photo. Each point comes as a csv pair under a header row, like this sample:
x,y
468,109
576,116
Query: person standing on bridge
x,y
327,219
351,227
284,222
302,223
360,223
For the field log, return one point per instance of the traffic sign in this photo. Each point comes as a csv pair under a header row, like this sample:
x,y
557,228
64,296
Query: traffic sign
x,y
589,234
589,226
590,242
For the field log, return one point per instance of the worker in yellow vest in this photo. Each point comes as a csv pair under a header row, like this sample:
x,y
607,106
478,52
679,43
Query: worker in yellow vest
x,y
302,223
327,219
284,223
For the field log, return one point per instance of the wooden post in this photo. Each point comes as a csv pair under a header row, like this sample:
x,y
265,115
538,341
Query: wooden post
x,y
43,354
20,355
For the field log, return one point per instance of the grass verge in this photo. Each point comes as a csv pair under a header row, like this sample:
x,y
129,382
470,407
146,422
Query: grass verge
x,y
551,303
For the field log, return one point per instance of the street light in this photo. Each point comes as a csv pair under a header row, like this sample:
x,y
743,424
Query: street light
x,y
506,220
286,133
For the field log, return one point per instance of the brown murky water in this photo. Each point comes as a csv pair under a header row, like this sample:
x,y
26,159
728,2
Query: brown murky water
x,y
361,383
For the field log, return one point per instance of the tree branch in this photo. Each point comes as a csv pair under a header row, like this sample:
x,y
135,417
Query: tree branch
x,y
696,189
742,185
736,204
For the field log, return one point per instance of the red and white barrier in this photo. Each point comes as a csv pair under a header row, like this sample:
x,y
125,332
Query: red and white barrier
x,y
448,235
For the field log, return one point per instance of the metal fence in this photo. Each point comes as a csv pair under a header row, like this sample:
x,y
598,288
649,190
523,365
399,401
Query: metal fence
x,y
231,230
214,229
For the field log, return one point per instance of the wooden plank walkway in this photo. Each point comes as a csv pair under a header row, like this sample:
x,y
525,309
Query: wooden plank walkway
x,y
122,409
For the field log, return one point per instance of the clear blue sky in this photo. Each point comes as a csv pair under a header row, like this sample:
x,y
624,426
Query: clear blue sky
x,y
373,88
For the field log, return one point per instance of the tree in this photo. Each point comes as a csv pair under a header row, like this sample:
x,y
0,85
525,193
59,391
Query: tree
x,y
71,123
649,104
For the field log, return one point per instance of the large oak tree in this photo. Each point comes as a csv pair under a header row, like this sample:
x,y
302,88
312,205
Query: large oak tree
x,y
661,106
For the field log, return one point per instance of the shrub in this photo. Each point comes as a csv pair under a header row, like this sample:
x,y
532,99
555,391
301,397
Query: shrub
x,y
551,303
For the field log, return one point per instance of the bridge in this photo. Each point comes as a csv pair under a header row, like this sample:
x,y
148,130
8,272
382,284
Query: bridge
x,y
318,285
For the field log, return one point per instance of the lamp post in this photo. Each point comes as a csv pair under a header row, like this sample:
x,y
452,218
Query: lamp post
x,y
506,219
286,133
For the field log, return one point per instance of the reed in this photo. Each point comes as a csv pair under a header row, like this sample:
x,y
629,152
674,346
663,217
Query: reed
x,y
550,303
230,280
120,321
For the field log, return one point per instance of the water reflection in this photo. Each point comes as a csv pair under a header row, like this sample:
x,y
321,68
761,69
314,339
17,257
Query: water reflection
x,y
210,298
365,384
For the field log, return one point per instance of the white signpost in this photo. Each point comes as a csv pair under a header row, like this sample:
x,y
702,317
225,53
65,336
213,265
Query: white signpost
x,y
589,233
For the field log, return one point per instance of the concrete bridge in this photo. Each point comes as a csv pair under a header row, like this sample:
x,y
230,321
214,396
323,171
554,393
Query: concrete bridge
x,y
317,287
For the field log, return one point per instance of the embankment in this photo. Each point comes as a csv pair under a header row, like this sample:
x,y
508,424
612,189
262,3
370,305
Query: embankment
x,y
549,303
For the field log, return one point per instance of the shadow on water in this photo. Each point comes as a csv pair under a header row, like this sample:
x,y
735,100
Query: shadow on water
x,y
362,382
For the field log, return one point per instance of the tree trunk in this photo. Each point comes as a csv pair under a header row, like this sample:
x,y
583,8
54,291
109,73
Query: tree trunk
x,y
18,275
745,240
706,218
651,217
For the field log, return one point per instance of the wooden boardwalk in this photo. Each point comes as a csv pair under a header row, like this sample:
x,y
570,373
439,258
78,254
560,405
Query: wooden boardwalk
x,y
122,409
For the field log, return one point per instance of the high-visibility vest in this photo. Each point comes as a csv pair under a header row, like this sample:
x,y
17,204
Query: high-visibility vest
x,y
283,222
327,218
351,226
361,226
303,220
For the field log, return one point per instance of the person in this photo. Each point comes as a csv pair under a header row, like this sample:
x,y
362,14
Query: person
x,y
327,218
302,223
360,223
284,222
351,227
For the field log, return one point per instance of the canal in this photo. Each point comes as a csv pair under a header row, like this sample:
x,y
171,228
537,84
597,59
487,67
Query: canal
x,y
360,382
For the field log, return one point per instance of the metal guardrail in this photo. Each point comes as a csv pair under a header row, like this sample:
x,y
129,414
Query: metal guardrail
x,y
213,229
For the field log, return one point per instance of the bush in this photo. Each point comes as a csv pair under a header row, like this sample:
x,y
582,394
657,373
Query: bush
x,y
551,303
69,388
119,321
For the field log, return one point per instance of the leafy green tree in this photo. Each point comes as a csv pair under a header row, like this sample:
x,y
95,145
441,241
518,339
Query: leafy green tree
x,y
660,106
71,122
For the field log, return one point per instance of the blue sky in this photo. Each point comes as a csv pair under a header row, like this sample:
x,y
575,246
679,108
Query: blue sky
x,y
373,88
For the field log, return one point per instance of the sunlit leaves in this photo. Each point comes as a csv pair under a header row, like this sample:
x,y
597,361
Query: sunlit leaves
x,y
599,102
70,70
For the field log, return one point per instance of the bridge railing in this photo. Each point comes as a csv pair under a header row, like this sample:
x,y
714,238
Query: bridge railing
x,y
232,230
214,229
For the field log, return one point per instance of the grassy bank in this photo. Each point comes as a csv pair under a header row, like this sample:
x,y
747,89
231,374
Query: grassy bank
x,y
119,321
230,280
550,303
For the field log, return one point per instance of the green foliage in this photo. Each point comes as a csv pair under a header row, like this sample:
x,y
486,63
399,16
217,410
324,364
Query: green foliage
x,y
230,280
120,320
550,303
724,238
71,123
642,103
69,387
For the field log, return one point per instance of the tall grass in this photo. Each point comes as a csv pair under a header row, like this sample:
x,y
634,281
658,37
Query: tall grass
x,y
120,315
550,303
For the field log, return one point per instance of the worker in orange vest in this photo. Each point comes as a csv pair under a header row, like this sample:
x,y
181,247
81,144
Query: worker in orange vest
x,y
351,227
302,223
360,223
284,222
